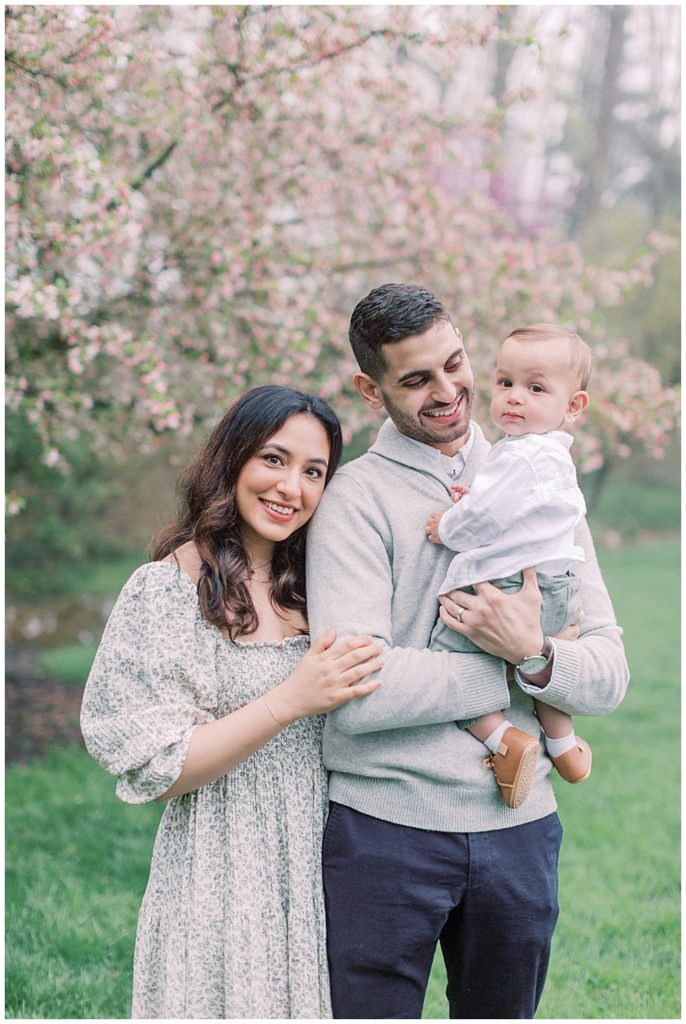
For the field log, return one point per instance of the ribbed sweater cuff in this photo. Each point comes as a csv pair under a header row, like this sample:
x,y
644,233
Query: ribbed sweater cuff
x,y
564,675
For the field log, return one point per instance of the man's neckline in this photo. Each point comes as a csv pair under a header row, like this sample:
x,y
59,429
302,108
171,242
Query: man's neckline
x,y
434,452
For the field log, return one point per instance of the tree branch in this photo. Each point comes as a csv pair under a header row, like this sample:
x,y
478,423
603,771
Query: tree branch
x,y
138,182
150,170
36,72
312,63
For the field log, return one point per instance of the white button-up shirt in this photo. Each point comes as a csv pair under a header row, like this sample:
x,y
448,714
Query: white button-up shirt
x,y
453,464
521,510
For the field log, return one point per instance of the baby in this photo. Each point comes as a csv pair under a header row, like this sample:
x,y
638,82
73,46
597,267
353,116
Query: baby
x,y
521,510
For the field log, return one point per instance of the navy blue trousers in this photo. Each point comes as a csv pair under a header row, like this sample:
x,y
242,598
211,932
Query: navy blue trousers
x,y
394,892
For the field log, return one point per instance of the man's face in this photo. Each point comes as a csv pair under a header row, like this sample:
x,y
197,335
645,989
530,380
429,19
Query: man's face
x,y
427,388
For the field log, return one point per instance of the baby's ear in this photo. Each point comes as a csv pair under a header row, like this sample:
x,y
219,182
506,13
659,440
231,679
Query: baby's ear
x,y
576,405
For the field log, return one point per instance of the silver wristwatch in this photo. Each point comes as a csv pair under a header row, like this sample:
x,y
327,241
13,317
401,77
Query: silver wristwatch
x,y
534,663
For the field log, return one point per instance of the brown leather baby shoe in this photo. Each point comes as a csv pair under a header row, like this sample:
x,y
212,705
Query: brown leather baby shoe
x,y
513,765
575,764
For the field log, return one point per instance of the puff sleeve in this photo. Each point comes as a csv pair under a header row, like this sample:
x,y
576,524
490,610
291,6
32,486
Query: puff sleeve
x,y
150,684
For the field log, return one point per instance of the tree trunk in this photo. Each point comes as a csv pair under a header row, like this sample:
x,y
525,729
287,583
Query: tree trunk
x,y
602,129
596,486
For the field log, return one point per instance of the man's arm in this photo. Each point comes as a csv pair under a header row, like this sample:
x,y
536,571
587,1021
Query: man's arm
x,y
350,583
590,675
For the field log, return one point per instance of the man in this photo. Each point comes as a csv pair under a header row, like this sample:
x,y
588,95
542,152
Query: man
x,y
420,847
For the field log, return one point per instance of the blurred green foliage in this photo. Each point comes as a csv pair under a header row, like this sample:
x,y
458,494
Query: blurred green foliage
x,y
69,664
650,318
61,523
640,497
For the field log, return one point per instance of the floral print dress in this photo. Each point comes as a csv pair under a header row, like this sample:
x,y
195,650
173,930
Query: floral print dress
x,y
232,923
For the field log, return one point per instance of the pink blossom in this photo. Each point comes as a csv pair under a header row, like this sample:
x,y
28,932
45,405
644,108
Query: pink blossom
x,y
240,256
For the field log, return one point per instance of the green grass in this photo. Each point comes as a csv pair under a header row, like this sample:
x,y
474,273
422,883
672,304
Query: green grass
x,y
77,859
76,867
616,949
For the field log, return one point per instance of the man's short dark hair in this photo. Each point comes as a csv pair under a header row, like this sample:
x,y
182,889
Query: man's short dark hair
x,y
391,313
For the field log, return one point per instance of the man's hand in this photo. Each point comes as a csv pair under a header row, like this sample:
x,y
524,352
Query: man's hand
x,y
432,528
506,625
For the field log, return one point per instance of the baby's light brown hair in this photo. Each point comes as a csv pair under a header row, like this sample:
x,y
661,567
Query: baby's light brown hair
x,y
579,352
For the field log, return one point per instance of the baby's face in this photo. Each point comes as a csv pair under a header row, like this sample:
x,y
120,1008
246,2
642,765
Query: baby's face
x,y
534,385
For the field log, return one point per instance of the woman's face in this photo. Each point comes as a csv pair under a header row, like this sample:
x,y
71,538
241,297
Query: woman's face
x,y
279,487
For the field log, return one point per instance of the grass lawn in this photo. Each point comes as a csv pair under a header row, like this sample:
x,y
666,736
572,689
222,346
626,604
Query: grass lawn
x,y
77,859
77,862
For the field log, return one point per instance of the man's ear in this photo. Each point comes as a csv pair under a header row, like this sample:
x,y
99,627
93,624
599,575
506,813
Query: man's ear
x,y
369,390
576,405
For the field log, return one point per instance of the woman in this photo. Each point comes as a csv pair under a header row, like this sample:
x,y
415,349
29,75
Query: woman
x,y
204,693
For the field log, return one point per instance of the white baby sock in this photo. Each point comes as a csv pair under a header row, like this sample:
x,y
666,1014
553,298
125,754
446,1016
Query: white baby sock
x,y
560,746
493,741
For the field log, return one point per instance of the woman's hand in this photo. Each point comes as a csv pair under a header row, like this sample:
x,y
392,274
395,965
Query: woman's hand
x,y
506,625
326,677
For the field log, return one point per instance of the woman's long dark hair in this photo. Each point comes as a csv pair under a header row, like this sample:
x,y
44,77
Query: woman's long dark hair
x,y
208,514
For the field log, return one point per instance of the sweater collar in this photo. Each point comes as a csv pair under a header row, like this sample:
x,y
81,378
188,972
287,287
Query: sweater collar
x,y
391,444
453,464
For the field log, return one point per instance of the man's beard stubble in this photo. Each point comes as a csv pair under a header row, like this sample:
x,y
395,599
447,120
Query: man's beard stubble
x,y
411,427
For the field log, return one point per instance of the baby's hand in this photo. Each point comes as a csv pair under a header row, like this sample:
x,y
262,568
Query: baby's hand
x,y
432,528
458,491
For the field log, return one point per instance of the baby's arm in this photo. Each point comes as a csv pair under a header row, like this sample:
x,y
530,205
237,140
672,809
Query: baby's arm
x,y
433,520
458,491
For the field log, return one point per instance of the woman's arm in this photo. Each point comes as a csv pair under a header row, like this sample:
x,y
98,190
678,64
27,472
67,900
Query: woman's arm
x,y
151,692
326,677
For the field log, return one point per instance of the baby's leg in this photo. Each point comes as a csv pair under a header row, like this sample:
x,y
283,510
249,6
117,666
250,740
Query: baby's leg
x,y
570,755
487,724
556,724
513,755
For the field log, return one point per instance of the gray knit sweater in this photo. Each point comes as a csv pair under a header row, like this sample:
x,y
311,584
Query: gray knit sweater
x,y
397,753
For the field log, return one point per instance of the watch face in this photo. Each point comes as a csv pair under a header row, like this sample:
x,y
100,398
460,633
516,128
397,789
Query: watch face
x,y
530,666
